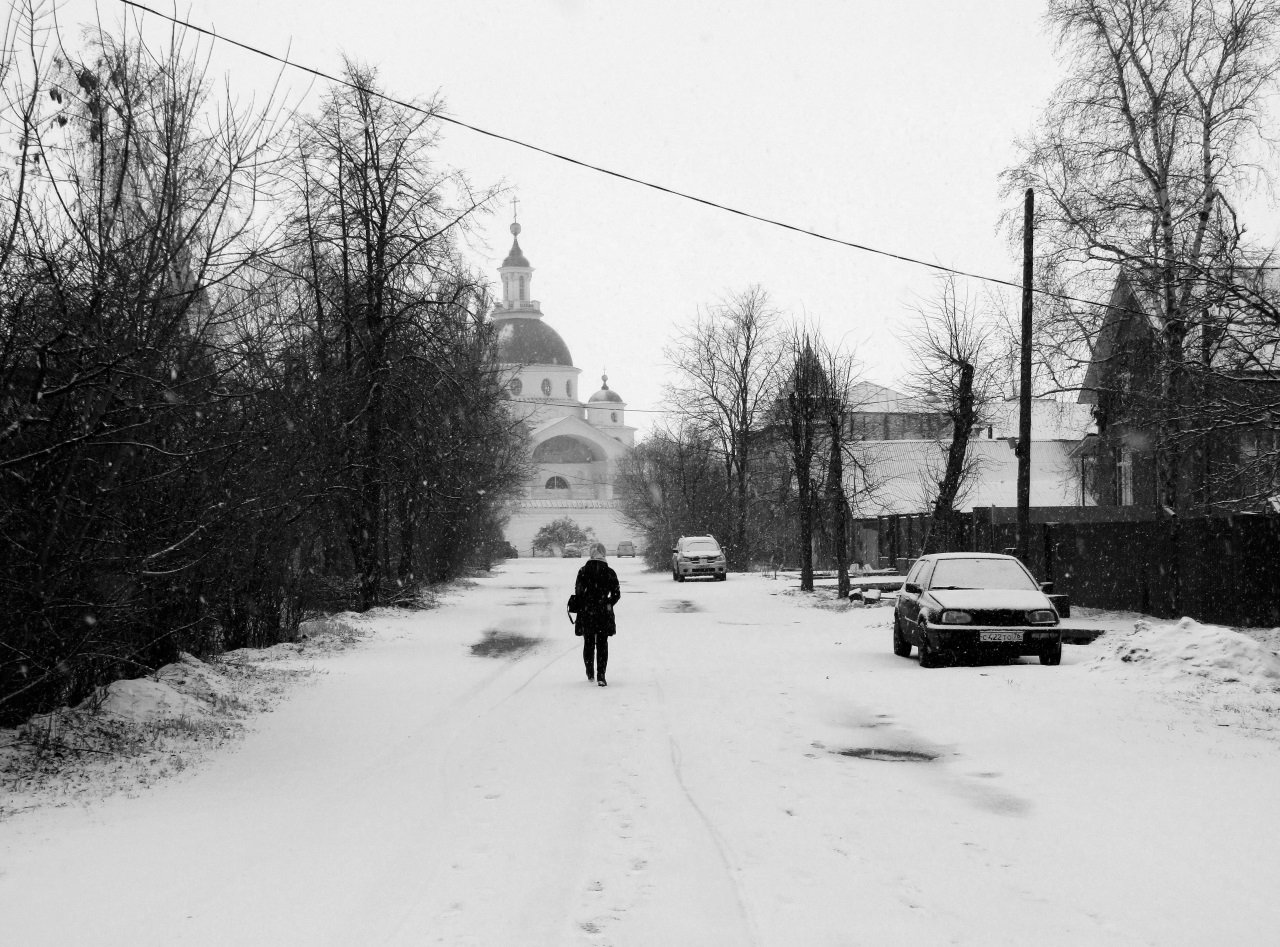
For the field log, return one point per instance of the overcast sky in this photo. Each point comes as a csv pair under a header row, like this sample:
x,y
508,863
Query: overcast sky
x,y
885,124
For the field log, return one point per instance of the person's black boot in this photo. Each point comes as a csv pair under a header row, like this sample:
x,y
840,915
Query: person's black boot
x,y
602,682
591,675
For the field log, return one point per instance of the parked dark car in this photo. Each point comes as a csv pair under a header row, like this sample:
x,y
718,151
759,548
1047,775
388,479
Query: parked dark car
x,y
572,551
980,605
626,548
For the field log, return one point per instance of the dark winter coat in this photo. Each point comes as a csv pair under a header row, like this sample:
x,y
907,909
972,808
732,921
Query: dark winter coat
x,y
597,592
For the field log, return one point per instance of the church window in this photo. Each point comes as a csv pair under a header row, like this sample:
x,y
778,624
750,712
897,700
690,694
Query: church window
x,y
557,483
613,416
515,387
524,289
568,389
546,387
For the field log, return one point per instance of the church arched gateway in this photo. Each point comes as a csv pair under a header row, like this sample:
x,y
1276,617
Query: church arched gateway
x,y
574,446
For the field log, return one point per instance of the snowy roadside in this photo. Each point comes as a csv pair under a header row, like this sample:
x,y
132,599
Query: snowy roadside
x,y
134,733
1226,677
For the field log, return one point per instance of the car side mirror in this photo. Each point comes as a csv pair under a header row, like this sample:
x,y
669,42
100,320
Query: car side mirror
x,y
1046,588
912,587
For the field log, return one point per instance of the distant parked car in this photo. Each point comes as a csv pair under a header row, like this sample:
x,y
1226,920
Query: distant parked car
x,y
572,551
968,603
694,556
626,548
509,551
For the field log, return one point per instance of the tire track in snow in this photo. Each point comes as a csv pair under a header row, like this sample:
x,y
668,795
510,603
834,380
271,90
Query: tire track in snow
x,y
721,846
442,792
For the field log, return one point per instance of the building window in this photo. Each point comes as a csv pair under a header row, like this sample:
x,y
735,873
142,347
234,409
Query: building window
x,y
613,416
557,483
524,289
546,387
568,389
1088,481
515,387
1124,473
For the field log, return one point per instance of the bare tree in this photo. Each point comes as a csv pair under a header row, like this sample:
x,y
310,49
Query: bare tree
x,y
203,432
1139,163
375,217
954,363
841,372
671,484
802,404
125,436
727,365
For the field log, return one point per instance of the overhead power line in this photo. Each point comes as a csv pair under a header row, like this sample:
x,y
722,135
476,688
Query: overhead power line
x,y
321,74
583,404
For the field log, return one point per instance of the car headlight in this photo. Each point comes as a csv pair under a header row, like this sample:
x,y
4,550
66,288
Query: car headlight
x,y
1042,616
953,616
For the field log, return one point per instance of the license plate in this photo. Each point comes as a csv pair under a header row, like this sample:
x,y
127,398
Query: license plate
x,y
1000,636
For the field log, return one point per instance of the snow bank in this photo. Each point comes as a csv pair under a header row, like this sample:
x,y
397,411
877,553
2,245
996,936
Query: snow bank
x,y
193,677
1188,649
146,701
188,688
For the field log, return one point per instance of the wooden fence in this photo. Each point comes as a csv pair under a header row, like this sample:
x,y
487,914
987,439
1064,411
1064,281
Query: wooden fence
x,y
1220,569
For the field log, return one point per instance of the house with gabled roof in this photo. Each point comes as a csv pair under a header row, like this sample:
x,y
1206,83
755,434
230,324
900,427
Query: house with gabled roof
x,y
1228,415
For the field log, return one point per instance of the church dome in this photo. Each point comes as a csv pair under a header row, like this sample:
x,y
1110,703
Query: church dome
x,y
530,342
516,257
605,393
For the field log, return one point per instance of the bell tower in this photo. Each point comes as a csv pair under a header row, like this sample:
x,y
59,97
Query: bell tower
x,y
516,275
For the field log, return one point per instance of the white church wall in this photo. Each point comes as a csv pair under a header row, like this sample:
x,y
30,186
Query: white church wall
x,y
601,518
586,482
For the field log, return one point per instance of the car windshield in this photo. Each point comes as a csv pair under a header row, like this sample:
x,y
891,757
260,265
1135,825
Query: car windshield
x,y
702,547
980,574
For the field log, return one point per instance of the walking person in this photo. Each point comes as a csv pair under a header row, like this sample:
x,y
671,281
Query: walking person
x,y
596,591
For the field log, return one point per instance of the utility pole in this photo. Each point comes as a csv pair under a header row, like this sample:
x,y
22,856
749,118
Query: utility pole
x,y
1024,393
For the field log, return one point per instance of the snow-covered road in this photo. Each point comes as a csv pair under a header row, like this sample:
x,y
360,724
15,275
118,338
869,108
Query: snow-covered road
x,y
420,794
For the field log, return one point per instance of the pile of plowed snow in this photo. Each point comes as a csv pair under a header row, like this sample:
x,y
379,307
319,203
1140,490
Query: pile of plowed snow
x,y
1186,650
187,688
130,733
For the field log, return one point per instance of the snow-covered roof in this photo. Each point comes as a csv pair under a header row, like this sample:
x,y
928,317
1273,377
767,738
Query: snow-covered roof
x,y
904,475
1050,420
870,398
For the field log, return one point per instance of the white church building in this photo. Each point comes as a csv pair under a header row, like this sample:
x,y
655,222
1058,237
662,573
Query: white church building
x,y
575,446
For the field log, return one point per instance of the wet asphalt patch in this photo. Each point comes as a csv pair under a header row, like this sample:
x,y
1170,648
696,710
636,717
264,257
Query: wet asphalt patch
x,y
682,606
497,643
886,755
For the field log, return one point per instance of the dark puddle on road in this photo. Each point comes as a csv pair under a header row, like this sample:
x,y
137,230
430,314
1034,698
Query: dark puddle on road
x,y
497,643
884,755
680,606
